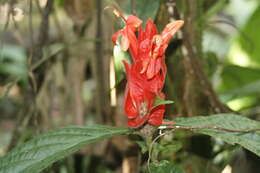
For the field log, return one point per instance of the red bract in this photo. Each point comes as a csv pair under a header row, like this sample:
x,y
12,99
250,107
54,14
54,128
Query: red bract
x,y
140,97
152,46
128,36
146,75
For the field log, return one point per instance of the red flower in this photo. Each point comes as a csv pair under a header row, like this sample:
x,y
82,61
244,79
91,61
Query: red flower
x,y
140,97
146,75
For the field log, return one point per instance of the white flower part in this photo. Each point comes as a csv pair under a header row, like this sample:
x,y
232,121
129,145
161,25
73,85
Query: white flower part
x,y
162,127
160,131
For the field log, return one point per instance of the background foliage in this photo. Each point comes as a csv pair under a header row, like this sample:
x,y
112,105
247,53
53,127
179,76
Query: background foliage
x,y
57,69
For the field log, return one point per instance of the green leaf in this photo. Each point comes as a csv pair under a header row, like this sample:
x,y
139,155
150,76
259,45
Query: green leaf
x,y
249,89
13,61
234,76
119,57
167,149
145,9
159,101
142,145
163,167
214,9
250,40
250,141
40,152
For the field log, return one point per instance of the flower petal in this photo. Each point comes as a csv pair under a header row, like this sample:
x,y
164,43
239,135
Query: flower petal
x,y
133,42
170,30
156,115
152,68
135,82
135,123
150,29
133,21
124,42
129,106
116,35
145,63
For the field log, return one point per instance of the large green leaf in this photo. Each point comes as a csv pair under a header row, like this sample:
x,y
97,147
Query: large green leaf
x,y
43,150
250,141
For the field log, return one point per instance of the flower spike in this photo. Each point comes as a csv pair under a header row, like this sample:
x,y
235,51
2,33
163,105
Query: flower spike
x,y
146,75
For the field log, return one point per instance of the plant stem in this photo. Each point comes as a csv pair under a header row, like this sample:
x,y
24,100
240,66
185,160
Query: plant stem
x,y
211,127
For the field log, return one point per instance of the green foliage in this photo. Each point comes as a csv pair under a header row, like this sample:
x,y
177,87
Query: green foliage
x,y
250,141
214,9
159,101
13,61
250,41
238,82
236,76
119,57
43,150
163,167
145,9
168,148
143,146
249,89
3,1
211,63
59,3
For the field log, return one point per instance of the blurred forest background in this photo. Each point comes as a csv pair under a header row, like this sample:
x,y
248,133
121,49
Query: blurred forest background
x,y
57,69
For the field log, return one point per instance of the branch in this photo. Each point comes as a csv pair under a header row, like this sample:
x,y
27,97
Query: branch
x,y
98,68
192,52
208,127
43,31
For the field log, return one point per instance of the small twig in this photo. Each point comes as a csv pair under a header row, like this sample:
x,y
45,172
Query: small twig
x,y
44,59
117,12
30,26
151,149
